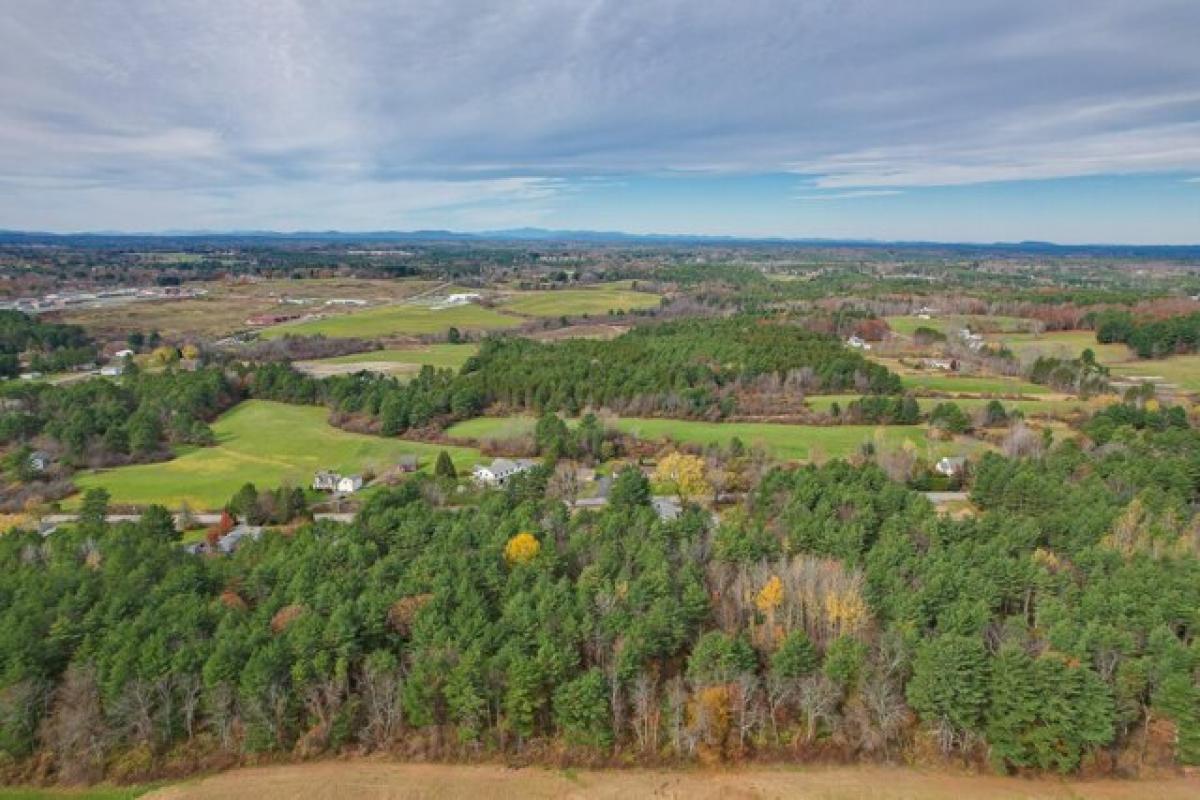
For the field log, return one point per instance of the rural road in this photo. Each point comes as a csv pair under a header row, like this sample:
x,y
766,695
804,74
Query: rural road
x,y
52,521
937,498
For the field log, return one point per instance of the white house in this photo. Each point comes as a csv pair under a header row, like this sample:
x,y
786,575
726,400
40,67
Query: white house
x,y
112,370
348,484
122,354
858,343
499,471
951,465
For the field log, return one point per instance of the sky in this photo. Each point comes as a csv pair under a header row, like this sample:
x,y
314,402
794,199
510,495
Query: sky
x,y
946,120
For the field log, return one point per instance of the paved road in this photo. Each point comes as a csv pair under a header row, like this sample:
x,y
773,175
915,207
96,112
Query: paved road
x,y
937,498
51,521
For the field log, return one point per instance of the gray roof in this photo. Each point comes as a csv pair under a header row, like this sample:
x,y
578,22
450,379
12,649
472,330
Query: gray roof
x,y
667,508
230,541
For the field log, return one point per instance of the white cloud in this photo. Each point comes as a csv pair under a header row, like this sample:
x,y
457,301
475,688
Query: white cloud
x,y
299,100
851,195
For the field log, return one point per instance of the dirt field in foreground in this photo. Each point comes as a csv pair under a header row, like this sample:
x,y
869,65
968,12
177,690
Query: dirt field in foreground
x,y
376,780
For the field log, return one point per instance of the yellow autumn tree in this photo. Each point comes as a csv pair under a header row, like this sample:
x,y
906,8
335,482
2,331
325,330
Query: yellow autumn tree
x,y
190,351
768,599
165,355
770,596
686,472
845,611
522,548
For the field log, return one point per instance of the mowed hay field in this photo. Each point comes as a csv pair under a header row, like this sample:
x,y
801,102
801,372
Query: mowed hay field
x,y
1027,407
228,305
1061,344
264,443
576,302
950,324
401,362
787,442
1182,371
934,380
381,780
397,320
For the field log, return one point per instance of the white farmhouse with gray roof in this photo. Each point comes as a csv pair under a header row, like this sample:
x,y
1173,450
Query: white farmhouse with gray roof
x,y
499,471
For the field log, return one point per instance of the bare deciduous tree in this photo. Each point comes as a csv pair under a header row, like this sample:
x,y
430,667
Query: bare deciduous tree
x,y
817,698
75,730
381,692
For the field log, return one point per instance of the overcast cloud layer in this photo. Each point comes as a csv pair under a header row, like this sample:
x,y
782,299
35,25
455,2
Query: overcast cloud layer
x,y
141,115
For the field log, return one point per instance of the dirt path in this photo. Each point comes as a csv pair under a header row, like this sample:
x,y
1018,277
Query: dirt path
x,y
380,780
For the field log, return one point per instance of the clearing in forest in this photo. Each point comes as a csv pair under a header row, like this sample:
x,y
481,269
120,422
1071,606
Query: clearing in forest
x,y
264,443
397,320
576,302
405,361
788,442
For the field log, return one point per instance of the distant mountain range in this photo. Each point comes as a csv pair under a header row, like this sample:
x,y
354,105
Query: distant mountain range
x,y
548,236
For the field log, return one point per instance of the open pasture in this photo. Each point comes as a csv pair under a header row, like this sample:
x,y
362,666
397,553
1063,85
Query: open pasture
x,y
1180,371
393,361
228,304
787,442
1051,407
397,320
264,443
949,324
1060,344
576,302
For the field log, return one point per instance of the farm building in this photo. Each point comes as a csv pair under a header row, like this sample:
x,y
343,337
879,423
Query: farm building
x,y
408,463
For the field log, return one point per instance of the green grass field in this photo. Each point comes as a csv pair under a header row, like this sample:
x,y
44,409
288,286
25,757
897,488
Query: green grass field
x,y
573,302
1027,407
1067,344
949,324
969,384
267,444
397,320
442,356
1183,371
788,442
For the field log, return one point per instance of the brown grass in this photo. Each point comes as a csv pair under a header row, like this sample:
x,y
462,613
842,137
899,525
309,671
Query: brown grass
x,y
376,780
229,304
